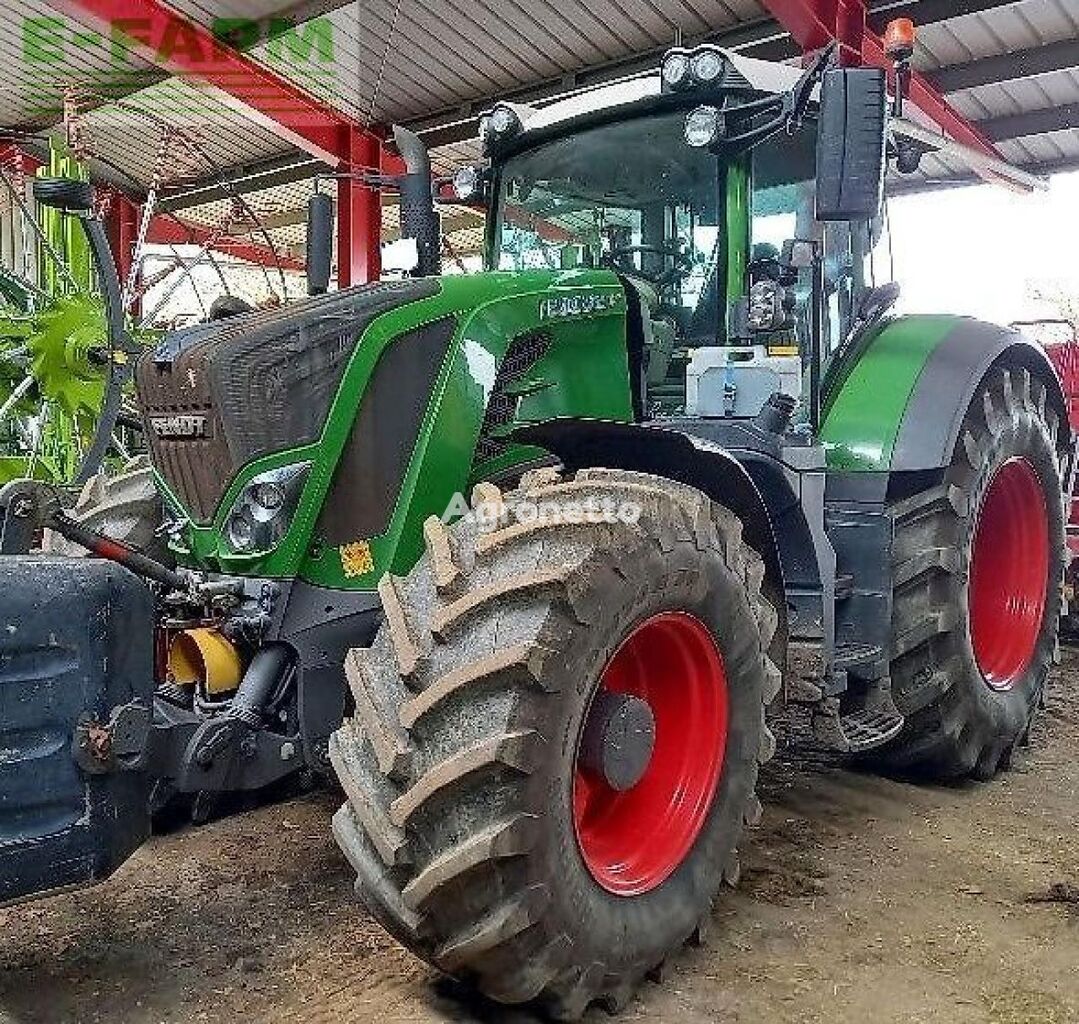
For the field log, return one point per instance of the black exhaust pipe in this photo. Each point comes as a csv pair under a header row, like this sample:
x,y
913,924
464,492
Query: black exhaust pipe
x,y
319,243
419,219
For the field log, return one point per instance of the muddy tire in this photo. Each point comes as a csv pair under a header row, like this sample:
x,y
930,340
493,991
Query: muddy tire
x,y
124,506
464,765
976,595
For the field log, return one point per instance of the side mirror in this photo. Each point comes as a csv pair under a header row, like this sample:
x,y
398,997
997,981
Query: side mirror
x,y
319,243
851,144
65,194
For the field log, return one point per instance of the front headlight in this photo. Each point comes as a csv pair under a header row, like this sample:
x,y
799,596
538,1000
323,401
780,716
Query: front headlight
x,y
262,513
702,127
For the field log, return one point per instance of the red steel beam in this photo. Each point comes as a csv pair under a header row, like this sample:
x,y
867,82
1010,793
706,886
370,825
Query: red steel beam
x,y
815,23
359,218
169,231
122,226
12,156
166,38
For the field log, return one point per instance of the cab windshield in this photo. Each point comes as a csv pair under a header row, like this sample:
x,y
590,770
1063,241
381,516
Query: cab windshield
x,y
630,196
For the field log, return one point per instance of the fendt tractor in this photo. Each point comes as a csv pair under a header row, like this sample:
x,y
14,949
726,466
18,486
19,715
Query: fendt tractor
x,y
708,466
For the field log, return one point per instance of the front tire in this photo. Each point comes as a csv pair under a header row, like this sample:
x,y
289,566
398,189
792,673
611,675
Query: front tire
x,y
978,564
467,821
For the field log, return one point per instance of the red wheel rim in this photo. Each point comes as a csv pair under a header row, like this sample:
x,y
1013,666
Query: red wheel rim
x,y
632,841
1009,574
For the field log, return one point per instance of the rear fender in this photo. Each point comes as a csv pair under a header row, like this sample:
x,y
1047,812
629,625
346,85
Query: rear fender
x,y
898,406
929,431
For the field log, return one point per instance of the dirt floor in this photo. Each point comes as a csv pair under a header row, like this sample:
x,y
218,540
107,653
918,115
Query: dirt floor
x,y
862,899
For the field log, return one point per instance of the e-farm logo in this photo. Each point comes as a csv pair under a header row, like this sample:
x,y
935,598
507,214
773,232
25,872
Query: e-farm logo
x,y
55,43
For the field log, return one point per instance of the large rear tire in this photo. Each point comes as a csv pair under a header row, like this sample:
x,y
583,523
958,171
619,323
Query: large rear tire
x,y
978,565
484,836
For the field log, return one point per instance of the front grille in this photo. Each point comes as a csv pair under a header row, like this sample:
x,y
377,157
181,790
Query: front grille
x,y
217,396
197,469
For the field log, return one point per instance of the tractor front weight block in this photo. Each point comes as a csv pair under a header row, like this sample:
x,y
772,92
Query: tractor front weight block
x,y
76,690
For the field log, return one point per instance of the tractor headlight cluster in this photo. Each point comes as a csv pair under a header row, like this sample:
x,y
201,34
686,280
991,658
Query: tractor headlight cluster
x,y
685,69
702,127
263,511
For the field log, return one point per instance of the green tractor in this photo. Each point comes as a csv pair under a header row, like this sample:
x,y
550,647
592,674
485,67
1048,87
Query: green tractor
x,y
708,468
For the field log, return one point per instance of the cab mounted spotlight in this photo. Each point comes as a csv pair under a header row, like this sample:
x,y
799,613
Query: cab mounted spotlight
x,y
706,65
674,71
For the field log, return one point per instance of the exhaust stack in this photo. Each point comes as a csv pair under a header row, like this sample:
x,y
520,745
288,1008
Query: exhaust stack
x,y
419,220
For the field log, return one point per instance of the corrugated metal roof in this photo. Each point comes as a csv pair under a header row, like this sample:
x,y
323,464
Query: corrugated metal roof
x,y
392,60
396,60
41,53
129,134
1005,29
1011,29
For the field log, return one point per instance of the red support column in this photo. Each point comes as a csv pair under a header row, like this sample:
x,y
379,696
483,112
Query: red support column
x,y
359,217
122,226
850,30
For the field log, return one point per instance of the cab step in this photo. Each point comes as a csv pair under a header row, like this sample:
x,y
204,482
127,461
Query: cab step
x,y
857,729
867,729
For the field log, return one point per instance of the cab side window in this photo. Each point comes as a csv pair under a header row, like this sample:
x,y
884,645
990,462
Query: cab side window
x,y
783,208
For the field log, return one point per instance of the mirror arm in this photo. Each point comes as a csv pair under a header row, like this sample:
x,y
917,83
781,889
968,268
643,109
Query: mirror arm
x,y
790,108
802,92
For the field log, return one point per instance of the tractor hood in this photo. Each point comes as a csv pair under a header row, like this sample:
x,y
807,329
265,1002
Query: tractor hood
x,y
373,407
218,395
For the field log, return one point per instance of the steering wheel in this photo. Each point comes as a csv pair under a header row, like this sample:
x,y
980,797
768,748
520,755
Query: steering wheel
x,y
620,259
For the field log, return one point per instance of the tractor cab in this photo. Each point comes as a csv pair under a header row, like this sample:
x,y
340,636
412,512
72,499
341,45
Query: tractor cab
x,y
697,186
739,201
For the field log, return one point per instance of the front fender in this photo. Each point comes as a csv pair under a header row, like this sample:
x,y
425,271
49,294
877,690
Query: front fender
x,y
580,443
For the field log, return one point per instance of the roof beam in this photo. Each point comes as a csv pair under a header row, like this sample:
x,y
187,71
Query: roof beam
x,y
812,23
917,185
1008,67
929,12
287,170
169,231
1032,122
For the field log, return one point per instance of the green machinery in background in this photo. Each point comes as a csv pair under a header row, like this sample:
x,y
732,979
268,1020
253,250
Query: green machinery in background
x,y
525,557
53,345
